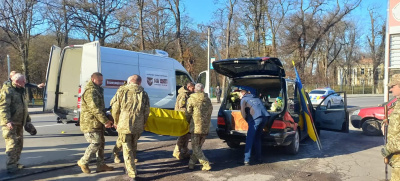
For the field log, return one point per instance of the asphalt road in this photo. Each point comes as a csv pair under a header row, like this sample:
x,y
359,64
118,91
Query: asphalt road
x,y
52,155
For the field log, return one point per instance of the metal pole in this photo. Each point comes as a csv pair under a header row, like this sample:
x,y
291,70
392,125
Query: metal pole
x,y
387,61
8,63
207,86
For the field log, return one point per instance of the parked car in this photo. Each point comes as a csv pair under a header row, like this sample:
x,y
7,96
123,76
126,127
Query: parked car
x,y
330,97
264,77
369,119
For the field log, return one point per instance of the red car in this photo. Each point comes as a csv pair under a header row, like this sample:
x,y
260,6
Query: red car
x,y
369,119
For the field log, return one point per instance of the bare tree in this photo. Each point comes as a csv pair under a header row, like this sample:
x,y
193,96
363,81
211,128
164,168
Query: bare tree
x,y
97,18
17,19
174,8
275,12
59,17
228,26
376,42
140,4
310,24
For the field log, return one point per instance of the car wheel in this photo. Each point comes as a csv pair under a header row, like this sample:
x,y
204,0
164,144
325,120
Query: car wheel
x,y
111,132
233,144
328,105
293,148
372,127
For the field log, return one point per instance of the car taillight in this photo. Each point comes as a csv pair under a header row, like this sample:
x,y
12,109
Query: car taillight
x,y
278,124
221,120
322,97
79,97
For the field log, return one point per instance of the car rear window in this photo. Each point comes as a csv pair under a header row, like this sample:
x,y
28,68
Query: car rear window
x,y
317,92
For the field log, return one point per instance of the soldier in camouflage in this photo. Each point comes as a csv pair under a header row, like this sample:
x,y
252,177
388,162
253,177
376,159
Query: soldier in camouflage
x,y
118,144
13,117
391,150
181,150
93,122
130,111
198,111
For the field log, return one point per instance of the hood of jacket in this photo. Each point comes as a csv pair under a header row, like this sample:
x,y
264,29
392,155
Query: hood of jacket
x,y
134,87
91,85
199,96
183,90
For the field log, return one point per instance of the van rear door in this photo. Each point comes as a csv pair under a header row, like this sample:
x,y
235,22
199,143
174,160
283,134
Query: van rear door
x,y
90,62
52,74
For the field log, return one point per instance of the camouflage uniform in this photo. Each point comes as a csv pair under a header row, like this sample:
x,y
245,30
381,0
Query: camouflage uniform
x,y
199,109
13,109
181,148
392,147
118,144
130,112
92,121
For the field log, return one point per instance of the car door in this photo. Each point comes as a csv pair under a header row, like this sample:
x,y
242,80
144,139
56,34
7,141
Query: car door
x,y
335,118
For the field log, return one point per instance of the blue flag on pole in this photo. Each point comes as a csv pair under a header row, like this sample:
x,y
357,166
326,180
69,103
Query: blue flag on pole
x,y
305,112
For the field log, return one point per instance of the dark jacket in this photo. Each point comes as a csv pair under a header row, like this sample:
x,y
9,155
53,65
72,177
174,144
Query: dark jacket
x,y
252,108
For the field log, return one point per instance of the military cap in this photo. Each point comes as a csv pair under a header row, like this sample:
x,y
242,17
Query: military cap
x,y
394,80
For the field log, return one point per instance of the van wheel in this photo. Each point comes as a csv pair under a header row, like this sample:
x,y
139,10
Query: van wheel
x,y
293,148
372,127
233,144
111,132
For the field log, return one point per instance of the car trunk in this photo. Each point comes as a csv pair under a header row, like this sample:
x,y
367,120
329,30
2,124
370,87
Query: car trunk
x,y
268,89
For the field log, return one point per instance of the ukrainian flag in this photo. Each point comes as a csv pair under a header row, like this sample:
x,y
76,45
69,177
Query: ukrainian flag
x,y
306,115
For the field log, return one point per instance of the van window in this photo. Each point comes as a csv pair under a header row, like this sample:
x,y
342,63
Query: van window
x,y
181,80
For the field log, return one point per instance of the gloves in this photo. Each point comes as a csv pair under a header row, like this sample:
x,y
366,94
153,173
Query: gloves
x,y
385,153
30,128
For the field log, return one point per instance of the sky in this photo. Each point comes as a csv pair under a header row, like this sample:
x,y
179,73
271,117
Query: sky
x,y
201,11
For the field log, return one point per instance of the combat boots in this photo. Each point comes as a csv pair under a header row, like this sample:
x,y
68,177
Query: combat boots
x,y
176,155
206,166
84,168
103,168
116,159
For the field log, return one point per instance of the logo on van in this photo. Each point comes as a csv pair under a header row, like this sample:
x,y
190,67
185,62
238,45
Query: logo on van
x,y
150,81
114,83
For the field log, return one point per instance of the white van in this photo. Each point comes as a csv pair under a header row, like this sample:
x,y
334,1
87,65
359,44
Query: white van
x,y
69,70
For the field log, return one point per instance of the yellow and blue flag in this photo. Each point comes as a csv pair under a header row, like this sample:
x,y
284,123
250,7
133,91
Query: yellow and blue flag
x,y
306,115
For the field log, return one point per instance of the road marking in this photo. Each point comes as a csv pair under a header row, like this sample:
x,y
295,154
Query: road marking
x,y
47,125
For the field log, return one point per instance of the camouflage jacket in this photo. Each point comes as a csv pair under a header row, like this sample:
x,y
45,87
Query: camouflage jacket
x,y
181,99
114,98
131,109
198,111
93,116
393,135
13,106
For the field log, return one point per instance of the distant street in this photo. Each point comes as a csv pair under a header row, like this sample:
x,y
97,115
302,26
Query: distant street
x,y
53,152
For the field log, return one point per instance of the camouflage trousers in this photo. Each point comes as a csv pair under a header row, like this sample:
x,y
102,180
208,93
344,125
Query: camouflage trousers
x,y
96,140
14,140
129,146
181,147
118,147
197,155
395,174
